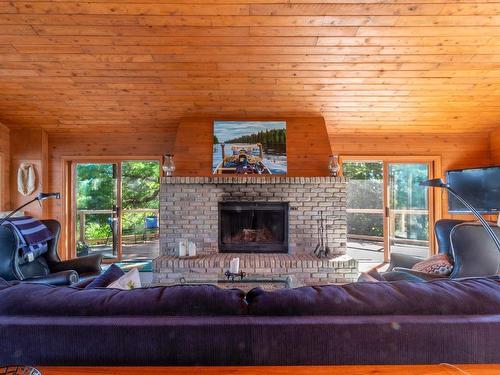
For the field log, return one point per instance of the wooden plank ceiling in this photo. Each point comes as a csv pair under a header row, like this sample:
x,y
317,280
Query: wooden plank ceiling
x,y
366,66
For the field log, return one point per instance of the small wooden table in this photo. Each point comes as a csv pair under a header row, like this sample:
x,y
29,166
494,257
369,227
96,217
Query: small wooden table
x,y
443,369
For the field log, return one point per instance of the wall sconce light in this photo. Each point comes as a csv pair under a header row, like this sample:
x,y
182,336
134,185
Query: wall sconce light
x,y
168,165
333,165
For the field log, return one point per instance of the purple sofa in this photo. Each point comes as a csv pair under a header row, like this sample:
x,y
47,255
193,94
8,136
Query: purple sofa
x,y
364,323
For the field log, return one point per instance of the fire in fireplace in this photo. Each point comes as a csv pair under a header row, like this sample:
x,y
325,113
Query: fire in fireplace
x,y
253,227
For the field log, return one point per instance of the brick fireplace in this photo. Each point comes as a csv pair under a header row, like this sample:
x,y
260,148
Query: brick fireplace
x,y
239,216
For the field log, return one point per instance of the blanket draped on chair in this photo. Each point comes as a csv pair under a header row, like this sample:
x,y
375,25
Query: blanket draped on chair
x,y
33,236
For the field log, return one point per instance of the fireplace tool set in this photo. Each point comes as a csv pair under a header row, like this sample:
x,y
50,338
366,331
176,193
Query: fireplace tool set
x,y
322,249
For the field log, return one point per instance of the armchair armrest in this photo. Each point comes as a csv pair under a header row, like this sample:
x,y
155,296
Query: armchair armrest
x,y
402,260
58,278
90,264
423,275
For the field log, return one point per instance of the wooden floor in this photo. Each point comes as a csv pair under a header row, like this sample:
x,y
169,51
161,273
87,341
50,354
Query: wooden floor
x,y
280,370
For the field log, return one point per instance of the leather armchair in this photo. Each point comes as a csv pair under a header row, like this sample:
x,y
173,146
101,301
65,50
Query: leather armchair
x,y
442,231
47,268
473,252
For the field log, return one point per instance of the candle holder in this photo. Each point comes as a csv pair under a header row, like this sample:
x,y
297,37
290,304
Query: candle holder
x,y
231,275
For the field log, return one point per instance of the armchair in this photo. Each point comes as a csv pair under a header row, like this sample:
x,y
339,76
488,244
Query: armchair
x,y
48,267
473,252
442,230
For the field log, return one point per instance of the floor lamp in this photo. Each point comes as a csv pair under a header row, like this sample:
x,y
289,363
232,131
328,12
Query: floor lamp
x,y
40,197
438,183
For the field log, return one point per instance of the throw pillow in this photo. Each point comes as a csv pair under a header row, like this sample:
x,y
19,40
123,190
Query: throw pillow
x,y
112,274
439,264
130,280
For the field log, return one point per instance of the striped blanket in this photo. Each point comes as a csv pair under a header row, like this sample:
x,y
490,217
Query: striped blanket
x,y
33,236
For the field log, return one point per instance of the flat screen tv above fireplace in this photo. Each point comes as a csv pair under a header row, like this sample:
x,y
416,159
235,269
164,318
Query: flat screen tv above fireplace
x,y
253,227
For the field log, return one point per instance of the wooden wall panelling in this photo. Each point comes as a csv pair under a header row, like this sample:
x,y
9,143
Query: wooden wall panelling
x,y
495,146
308,146
29,146
308,149
366,67
456,151
4,167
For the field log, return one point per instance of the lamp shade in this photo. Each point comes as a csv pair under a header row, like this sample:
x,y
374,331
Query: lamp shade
x,y
435,182
43,196
40,197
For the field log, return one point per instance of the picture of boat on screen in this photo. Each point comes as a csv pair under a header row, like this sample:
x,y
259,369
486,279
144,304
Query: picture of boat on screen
x,y
249,147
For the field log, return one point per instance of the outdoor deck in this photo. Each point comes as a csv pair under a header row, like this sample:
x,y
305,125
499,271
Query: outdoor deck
x,y
131,252
371,253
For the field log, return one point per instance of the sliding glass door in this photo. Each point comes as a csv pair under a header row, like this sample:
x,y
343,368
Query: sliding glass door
x,y
387,209
140,183
365,209
96,197
116,209
408,213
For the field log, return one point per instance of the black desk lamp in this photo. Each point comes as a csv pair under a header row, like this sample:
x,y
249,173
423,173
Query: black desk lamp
x,y
438,182
40,197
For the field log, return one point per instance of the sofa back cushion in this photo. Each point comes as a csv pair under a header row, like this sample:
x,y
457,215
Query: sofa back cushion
x,y
4,283
47,300
440,297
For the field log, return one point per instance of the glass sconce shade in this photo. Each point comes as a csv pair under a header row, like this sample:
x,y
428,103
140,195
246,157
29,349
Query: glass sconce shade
x,y
168,164
333,165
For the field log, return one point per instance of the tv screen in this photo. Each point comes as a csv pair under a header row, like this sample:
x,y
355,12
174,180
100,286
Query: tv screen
x,y
478,186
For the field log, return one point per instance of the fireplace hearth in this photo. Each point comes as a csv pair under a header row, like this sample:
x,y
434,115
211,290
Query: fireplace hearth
x,y
253,227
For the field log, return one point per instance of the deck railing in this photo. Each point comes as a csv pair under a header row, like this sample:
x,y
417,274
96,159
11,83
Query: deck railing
x,y
82,217
392,224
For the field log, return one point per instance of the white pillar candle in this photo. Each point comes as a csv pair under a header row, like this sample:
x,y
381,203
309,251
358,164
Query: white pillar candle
x,y
182,248
234,265
192,249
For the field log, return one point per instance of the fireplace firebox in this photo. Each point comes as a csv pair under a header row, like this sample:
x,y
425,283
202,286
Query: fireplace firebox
x,y
253,227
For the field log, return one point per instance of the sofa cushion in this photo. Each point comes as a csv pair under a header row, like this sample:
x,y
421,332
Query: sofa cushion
x,y
4,283
440,297
109,276
47,300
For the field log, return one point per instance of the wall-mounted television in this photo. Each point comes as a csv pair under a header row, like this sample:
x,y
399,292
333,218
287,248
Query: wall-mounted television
x,y
479,186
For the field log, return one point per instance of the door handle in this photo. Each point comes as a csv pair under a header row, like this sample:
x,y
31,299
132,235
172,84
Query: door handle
x,y
387,211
